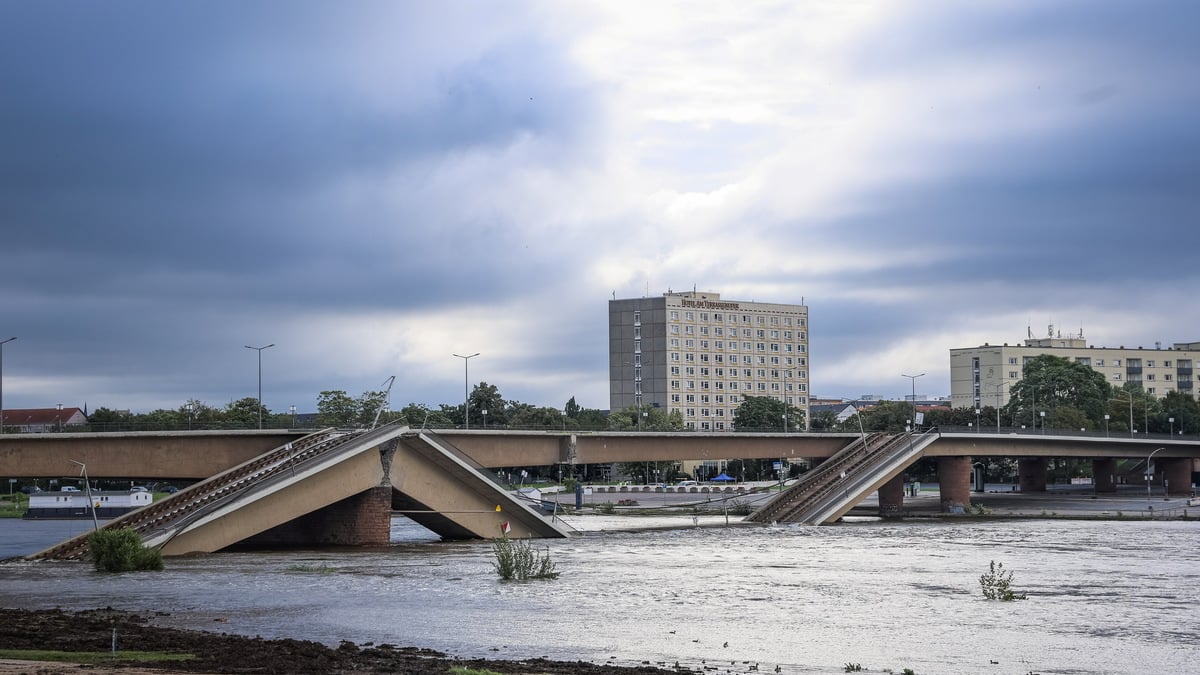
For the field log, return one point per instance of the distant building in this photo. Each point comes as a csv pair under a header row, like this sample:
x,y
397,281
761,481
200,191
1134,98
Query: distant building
x,y
43,420
982,376
699,354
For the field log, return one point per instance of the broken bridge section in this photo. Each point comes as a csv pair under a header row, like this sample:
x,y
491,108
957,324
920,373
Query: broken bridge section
x,y
333,487
826,493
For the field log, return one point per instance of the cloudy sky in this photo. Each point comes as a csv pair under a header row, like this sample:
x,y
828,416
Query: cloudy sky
x,y
374,186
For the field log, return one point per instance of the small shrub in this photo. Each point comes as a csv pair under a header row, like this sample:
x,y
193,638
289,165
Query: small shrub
x,y
121,550
517,559
997,584
739,507
606,507
852,668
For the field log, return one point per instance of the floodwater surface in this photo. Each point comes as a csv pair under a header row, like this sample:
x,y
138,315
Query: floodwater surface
x,y
1103,597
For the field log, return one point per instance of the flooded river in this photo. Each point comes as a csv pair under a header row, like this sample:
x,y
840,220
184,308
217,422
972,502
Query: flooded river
x,y
1104,597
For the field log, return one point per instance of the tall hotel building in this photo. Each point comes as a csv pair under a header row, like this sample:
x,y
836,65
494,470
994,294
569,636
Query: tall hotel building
x,y
698,354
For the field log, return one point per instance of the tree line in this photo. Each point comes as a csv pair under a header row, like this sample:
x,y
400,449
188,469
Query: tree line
x,y
1072,396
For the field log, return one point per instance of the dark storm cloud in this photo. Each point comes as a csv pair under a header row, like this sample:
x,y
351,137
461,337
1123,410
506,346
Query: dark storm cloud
x,y
174,174
186,139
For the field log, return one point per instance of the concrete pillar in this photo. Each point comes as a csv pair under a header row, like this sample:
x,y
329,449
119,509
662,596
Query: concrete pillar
x,y
1178,473
1031,472
891,497
954,480
1103,475
364,519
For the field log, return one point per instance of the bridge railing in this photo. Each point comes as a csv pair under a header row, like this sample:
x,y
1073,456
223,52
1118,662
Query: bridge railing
x,y
191,500
786,501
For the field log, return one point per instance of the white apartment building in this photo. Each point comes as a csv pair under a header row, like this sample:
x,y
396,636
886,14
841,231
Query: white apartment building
x,y
982,376
699,354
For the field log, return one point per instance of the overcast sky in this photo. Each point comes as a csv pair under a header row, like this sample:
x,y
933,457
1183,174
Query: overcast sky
x,y
374,186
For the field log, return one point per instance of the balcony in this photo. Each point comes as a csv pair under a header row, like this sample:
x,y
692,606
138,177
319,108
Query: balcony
x,y
1183,371
1133,370
1184,384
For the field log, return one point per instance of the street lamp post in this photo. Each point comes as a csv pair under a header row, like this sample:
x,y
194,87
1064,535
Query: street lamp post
x,y
189,407
466,394
1150,475
292,410
914,397
260,405
2,343
58,417
1043,415
977,411
1130,401
997,387
1171,421
1106,425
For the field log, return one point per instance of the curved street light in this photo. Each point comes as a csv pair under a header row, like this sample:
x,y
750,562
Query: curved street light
x,y
914,397
1149,475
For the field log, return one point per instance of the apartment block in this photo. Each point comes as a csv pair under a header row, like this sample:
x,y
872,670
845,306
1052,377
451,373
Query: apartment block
x,y
982,376
700,354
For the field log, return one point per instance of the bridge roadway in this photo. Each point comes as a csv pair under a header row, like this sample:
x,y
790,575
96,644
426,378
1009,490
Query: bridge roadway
x,y
438,473
184,455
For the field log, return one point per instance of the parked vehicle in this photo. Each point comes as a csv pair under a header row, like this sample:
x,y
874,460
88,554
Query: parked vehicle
x,y
68,488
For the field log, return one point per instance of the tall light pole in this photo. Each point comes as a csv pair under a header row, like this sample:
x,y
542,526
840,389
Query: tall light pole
x,y
997,386
2,343
914,397
1150,475
260,351
466,394
1130,394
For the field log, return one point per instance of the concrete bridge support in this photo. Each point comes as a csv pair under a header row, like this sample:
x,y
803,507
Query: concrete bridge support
x,y
1178,474
1104,473
954,479
364,519
891,497
1031,472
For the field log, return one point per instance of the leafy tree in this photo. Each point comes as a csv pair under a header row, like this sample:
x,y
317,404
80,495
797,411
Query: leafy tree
x,y
335,408
890,416
572,408
419,416
825,420
487,397
763,413
104,419
652,419
590,418
1051,382
243,413
526,416
1185,410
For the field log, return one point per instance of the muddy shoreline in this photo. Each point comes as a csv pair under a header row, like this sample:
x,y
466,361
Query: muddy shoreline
x,y
216,652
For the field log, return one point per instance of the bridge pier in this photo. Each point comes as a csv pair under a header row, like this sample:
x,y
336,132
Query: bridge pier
x,y
891,497
1104,475
364,519
954,480
1178,474
1031,472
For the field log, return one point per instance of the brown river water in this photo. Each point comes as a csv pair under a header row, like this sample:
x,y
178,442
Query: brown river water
x,y
1103,596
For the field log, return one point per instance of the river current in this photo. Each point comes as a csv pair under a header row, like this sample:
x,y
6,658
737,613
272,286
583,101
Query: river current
x,y
1103,597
